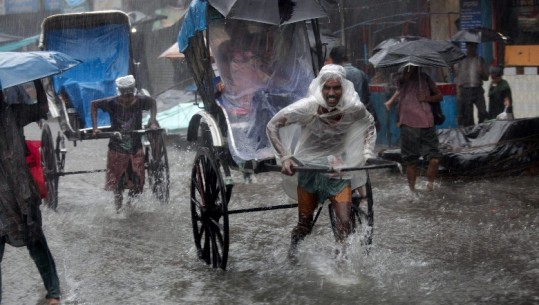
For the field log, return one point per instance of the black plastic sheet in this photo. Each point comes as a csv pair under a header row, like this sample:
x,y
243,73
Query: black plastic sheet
x,y
493,148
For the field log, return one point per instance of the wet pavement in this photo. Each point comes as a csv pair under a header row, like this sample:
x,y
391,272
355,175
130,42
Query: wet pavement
x,y
469,242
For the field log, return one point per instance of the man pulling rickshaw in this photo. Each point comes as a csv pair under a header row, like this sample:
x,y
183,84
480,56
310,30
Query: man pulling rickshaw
x,y
333,129
125,157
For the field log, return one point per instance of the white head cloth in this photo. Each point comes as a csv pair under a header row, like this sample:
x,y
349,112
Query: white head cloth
x,y
126,84
332,72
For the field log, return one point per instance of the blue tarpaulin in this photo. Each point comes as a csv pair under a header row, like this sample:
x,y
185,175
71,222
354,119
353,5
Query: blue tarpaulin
x,y
105,54
194,21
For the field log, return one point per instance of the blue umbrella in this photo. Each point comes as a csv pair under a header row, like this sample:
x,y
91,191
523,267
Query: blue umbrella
x,y
21,67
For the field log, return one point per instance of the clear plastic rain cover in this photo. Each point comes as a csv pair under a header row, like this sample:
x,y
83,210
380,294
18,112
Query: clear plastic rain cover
x,y
264,68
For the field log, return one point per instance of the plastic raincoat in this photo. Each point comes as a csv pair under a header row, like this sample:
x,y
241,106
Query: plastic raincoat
x,y
344,137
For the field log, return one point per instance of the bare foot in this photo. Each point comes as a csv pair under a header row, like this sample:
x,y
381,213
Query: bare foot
x,y
53,301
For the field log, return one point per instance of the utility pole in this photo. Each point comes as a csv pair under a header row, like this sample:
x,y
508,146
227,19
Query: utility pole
x,y
342,14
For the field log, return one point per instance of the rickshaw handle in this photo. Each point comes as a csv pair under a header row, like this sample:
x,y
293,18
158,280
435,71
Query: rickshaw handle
x,y
110,134
329,170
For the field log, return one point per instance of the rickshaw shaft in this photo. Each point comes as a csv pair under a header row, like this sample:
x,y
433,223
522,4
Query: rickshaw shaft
x,y
273,207
81,172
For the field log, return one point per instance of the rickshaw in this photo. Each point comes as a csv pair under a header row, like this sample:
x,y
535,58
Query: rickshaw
x,y
102,42
230,130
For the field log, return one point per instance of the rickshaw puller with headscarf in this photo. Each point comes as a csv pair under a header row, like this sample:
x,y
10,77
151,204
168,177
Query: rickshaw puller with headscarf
x,y
331,128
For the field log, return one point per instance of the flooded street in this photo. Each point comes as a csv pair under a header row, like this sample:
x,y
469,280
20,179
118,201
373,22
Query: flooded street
x,y
469,242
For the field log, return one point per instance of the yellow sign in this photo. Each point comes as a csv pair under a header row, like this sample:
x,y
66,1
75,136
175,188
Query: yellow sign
x,y
522,55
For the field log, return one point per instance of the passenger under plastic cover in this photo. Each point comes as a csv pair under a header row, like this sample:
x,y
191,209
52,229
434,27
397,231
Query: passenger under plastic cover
x,y
263,68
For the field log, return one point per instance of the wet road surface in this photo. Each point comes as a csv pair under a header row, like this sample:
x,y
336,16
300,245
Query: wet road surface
x,y
469,242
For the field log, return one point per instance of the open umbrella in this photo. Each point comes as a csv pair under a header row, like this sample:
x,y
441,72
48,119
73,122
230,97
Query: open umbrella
x,y
422,52
276,12
380,50
478,35
393,41
21,67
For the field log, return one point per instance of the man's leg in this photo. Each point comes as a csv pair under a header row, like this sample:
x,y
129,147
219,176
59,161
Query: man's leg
x,y
342,204
410,152
411,174
40,253
2,246
136,175
430,149
460,107
479,102
115,179
466,107
307,203
118,199
432,170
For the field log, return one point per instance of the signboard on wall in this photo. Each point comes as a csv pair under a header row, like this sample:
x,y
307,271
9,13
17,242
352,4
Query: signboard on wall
x,y
52,5
107,5
21,6
75,6
470,14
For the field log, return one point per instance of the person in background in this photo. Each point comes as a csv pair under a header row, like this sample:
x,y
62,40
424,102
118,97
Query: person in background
x,y
20,216
418,134
500,99
470,74
125,157
331,128
359,78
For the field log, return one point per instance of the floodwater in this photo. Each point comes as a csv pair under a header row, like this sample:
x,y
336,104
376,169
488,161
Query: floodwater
x,y
469,242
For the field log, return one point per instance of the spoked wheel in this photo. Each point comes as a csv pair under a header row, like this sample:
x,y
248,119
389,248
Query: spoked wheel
x,y
157,165
362,218
363,214
50,168
209,209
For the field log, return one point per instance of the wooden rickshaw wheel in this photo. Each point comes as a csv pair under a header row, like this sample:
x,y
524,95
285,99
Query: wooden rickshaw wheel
x,y
50,167
209,209
157,165
362,216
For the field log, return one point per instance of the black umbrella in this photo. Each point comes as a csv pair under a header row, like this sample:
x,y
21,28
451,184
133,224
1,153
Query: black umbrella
x,y
479,35
422,52
269,11
380,50
393,41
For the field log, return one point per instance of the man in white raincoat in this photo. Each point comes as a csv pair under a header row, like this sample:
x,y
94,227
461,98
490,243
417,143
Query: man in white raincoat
x,y
332,128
